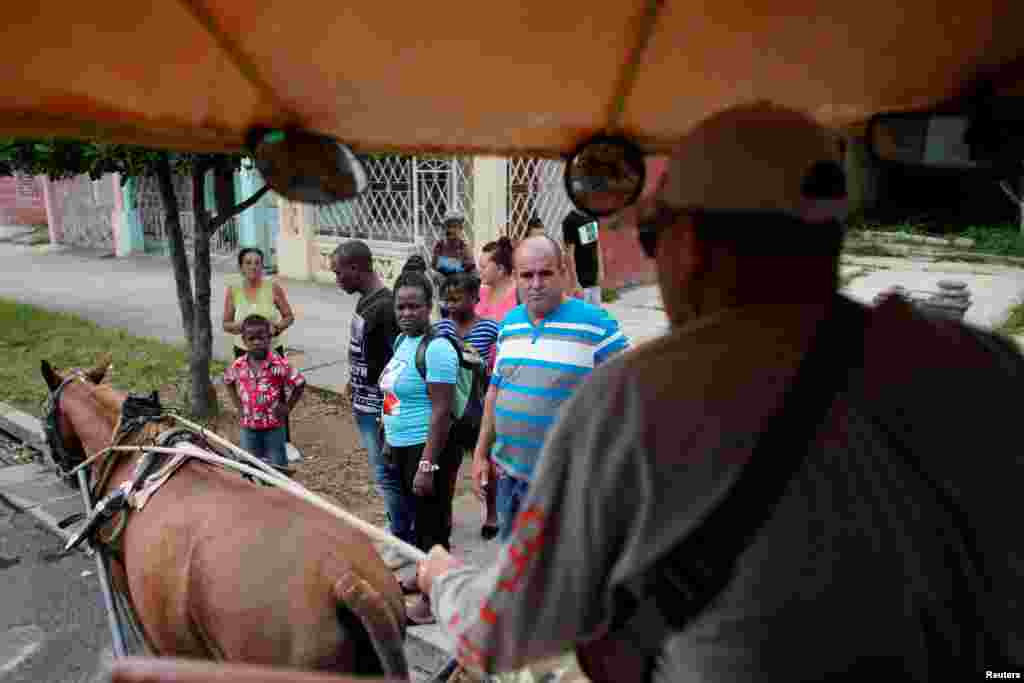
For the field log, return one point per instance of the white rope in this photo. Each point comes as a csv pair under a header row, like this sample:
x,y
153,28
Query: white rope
x,y
88,461
291,487
243,454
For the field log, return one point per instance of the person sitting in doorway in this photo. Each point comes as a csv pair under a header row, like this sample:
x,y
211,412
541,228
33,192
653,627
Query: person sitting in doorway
x,y
451,254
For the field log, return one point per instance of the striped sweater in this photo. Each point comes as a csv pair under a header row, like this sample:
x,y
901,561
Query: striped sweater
x,y
538,367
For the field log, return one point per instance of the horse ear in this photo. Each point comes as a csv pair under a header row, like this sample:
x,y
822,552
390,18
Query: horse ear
x,y
97,374
51,378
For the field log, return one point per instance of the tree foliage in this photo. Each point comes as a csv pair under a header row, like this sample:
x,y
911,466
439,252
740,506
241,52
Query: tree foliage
x,y
61,159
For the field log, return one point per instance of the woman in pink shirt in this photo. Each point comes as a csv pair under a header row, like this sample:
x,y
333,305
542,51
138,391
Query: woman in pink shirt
x,y
498,290
497,298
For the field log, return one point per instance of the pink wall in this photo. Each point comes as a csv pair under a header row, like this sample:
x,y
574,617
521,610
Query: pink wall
x,y
83,212
21,200
624,261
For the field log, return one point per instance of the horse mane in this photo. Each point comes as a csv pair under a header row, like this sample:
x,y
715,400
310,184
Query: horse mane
x,y
109,399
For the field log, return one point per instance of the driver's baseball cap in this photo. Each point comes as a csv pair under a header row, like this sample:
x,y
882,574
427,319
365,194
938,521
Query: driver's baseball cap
x,y
757,157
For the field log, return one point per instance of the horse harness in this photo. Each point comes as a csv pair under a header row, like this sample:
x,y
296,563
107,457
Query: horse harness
x,y
151,471
65,460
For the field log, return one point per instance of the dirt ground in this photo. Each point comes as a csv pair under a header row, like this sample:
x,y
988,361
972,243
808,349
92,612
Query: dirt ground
x,y
334,461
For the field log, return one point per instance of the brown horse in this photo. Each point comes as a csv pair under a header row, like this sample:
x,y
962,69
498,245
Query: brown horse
x,y
218,568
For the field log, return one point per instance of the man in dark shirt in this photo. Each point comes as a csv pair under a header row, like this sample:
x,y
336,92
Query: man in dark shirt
x,y
371,342
583,256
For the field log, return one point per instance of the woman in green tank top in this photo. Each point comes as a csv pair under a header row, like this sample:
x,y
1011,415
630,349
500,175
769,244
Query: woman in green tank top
x,y
253,293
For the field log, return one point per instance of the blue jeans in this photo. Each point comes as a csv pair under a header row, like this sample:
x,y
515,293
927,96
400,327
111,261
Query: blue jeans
x,y
265,444
387,476
510,495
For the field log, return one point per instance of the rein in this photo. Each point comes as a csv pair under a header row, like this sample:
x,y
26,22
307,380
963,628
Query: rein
x,y
64,460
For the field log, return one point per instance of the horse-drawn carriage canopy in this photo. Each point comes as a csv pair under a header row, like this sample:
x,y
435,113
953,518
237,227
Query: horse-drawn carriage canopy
x,y
521,77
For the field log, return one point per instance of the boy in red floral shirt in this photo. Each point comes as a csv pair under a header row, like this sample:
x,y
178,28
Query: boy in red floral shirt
x,y
265,388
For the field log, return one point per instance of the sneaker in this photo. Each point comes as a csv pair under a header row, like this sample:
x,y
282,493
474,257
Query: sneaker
x,y
392,558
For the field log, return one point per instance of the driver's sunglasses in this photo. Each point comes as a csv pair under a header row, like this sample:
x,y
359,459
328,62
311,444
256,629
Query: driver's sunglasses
x,y
662,218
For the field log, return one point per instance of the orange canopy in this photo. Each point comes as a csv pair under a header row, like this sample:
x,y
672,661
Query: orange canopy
x,y
516,76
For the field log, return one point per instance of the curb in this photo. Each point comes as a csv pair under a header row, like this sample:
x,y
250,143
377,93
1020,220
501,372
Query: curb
x,y
933,252
30,431
27,428
912,238
49,521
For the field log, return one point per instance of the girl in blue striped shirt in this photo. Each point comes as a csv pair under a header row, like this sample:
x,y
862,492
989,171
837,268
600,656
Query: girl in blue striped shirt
x,y
460,293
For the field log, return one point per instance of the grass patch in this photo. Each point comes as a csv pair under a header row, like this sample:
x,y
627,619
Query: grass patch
x,y
1002,239
1005,240
1015,322
29,335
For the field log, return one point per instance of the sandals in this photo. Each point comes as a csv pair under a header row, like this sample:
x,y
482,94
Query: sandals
x,y
488,530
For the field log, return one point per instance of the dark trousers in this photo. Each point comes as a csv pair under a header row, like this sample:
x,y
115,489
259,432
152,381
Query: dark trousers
x,y
279,351
431,514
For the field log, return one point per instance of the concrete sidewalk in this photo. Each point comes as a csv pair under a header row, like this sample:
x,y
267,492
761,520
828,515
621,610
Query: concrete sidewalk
x,y
994,288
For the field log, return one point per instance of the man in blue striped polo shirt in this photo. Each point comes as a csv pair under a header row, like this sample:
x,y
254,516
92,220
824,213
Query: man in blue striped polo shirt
x,y
546,347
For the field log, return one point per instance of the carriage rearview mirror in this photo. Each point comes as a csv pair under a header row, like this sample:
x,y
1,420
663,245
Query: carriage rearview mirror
x,y
308,167
605,175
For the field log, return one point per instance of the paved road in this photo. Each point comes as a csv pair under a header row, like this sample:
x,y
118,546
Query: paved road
x,y
52,623
138,295
994,288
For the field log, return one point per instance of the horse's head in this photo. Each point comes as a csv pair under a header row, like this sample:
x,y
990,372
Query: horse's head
x,y
78,417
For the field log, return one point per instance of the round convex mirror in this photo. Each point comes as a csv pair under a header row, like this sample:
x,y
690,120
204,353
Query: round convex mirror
x,y
605,175
308,167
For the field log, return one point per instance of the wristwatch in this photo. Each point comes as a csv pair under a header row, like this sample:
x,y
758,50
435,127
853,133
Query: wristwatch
x,y
427,466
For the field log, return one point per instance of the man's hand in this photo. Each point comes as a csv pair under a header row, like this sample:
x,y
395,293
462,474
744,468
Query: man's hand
x,y
483,476
348,391
438,562
423,483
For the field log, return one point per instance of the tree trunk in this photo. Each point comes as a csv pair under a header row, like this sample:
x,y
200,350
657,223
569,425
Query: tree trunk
x,y
224,187
204,398
176,242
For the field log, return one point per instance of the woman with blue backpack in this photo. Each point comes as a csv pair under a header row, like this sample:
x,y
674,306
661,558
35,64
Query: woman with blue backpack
x,y
417,417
